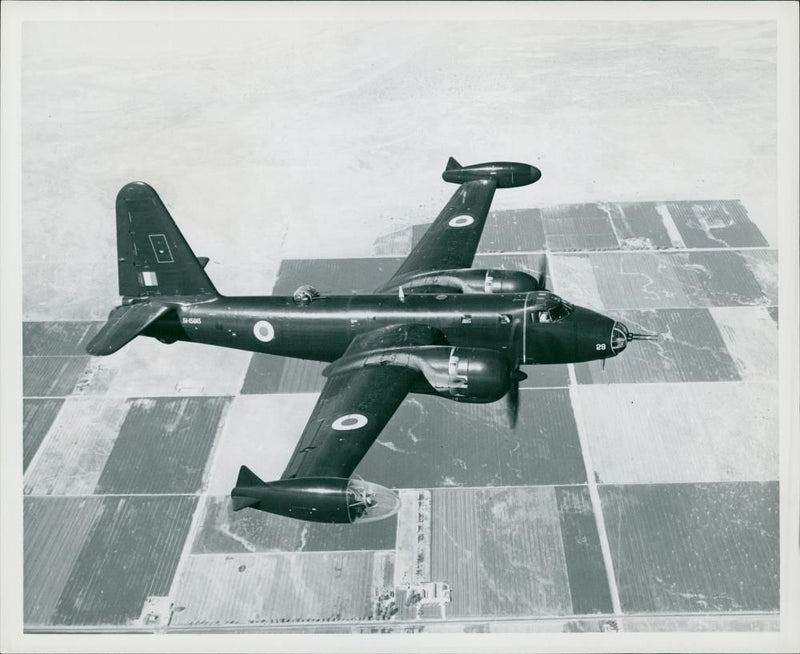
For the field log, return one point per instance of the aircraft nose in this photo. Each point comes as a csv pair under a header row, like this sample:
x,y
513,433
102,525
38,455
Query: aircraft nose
x,y
536,174
619,337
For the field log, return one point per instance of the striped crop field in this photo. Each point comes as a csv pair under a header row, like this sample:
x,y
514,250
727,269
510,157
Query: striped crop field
x,y
694,547
163,445
37,417
246,589
64,338
77,449
501,551
79,553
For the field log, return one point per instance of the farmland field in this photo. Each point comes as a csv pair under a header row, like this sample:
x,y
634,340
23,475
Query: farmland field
x,y
715,224
658,280
216,589
51,376
37,417
79,443
512,230
500,550
694,547
55,531
162,446
57,338
722,432
81,551
640,225
751,336
588,583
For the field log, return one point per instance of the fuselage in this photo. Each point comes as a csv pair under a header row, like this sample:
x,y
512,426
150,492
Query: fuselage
x,y
517,324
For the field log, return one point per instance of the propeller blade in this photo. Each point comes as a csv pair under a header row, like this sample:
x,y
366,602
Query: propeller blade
x,y
542,276
512,401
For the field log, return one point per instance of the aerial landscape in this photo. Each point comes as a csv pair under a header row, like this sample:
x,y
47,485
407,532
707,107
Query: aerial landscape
x,y
496,524
635,494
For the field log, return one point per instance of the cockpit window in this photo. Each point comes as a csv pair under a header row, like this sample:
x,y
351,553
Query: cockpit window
x,y
558,312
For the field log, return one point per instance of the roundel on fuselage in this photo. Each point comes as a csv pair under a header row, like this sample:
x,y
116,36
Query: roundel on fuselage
x,y
264,331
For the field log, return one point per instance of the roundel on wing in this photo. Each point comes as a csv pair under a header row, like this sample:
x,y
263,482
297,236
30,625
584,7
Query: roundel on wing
x,y
349,422
461,221
264,331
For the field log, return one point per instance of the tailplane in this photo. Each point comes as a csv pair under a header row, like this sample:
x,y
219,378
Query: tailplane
x,y
124,324
154,258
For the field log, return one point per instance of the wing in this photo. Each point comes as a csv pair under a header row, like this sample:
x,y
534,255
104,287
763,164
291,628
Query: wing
x,y
452,239
355,406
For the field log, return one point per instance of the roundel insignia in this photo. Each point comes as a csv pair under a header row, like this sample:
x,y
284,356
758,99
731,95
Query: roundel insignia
x,y
349,422
461,221
264,331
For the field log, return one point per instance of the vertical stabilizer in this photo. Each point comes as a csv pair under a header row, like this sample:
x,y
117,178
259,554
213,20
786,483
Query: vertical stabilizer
x,y
153,257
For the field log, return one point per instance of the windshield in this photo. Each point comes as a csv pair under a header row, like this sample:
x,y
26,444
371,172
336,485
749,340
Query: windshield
x,y
558,312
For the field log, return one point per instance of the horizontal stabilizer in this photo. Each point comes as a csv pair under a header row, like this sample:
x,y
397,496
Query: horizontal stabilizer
x,y
452,164
124,324
203,261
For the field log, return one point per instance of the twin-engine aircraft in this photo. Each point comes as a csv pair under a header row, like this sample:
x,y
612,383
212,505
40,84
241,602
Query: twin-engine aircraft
x,y
437,327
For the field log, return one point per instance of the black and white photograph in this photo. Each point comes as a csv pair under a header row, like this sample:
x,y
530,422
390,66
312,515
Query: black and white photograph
x,y
400,327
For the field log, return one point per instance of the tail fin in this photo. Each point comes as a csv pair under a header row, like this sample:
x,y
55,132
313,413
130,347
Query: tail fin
x,y
153,257
246,479
452,164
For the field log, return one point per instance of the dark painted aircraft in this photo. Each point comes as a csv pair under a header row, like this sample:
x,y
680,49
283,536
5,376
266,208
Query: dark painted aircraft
x,y
437,327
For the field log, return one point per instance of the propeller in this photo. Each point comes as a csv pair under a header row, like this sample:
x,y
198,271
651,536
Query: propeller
x,y
542,276
512,397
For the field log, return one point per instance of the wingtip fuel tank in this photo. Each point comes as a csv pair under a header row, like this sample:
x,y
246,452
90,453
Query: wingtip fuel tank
x,y
506,174
318,499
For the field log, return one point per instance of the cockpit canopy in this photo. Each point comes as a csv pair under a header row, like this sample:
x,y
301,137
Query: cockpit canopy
x,y
555,310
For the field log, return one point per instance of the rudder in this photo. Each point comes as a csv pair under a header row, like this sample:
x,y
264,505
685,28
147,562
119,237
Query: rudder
x,y
154,258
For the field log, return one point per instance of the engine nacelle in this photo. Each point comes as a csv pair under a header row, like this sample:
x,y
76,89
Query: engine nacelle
x,y
464,374
319,499
467,374
467,280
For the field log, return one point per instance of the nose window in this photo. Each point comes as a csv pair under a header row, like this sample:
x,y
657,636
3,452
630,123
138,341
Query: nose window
x,y
619,339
